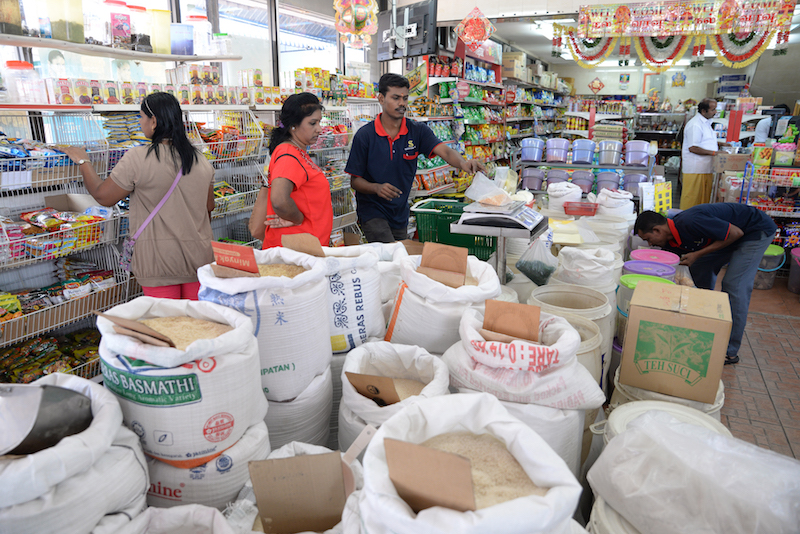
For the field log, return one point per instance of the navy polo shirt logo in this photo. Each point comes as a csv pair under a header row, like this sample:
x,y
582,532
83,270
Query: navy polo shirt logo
x,y
410,152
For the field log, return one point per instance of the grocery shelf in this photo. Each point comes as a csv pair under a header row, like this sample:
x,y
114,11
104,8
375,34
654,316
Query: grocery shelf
x,y
231,204
745,118
434,169
344,221
361,100
521,135
583,133
104,51
524,163
44,107
428,192
664,132
556,106
469,143
597,116
523,119
470,123
661,113
428,119
434,80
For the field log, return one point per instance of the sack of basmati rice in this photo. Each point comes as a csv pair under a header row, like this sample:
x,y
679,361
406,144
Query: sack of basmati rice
x,y
546,373
215,483
550,511
186,406
306,418
421,375
289,316
427,313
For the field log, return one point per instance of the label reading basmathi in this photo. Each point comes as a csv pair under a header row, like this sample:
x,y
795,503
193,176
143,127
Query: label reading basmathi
x,y
152,390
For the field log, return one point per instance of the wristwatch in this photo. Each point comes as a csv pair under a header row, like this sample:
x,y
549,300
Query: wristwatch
x,y
81,162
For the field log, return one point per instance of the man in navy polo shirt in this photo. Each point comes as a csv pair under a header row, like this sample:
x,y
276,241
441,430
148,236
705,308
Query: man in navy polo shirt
x,y
707,237
383,162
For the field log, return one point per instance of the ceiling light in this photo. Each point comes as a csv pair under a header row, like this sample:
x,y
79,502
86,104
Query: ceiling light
x,y
565,20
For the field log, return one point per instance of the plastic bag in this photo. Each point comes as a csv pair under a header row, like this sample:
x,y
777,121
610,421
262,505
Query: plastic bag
x,y
683,277
485,191
506,179
665,476
538,263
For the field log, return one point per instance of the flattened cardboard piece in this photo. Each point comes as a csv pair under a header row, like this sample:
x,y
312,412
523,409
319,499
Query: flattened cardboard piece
x,y
141,337
444,263
425,477
136,326
227,272
676,340
414,248
448,278
305,243
298,494
378,388
520,321
488,335
235,256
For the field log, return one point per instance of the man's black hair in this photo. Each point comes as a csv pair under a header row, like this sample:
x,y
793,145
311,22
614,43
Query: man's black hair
x,y
391,80
705,104
648,220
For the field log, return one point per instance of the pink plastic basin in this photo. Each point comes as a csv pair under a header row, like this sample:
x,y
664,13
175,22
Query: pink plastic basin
x,y
658,256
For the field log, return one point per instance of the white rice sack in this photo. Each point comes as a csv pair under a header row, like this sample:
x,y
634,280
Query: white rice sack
x,y
390,360
336,375
289,316
427,313
25,478
382,509
213,484
114,485
354,296
187,407
585,266
390,256
305,418
547,374
666,476
187,519
560,192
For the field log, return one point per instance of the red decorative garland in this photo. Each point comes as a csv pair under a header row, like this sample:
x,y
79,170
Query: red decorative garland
x,y
581,54
738,58
655,61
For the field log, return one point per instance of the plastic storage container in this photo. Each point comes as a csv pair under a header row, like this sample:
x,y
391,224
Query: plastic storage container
x,y
532,149
582,151
120,36
583,179
11,23
141,29
649,267
202,34
582,209
607,179
221,44
627,285
794,270
630,182
557,149
637,153
160,38
23,84
66,20
556,175
182,39
658,256
532,179
773,259
610,152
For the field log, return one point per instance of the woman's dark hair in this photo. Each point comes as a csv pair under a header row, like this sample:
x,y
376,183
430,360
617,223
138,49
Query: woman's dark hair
x,y
391,80
295,109
647,220
169,125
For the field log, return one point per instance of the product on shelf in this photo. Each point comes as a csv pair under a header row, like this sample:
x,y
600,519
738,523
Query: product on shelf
x,y
23,363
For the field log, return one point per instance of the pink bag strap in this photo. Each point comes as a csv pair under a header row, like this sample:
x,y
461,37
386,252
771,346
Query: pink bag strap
x,y
159,206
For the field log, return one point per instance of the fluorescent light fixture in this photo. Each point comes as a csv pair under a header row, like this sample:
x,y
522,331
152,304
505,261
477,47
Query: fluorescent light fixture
x,y
566,20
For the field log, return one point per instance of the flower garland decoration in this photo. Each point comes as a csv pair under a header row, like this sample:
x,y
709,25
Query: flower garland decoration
x,y
660,54
737,51
624,51
589,53
781,44
699,51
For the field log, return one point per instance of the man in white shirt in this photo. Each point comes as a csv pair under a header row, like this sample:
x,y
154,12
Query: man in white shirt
x,y
697,154
762,130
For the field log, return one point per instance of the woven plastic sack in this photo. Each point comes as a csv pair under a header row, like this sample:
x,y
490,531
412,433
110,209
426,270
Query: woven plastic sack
x,y
213,484
547,374
382,509
427,313
186,406
585,266
389,258
560,192
305,418
99,498
186,519
289,316
665,476
394,361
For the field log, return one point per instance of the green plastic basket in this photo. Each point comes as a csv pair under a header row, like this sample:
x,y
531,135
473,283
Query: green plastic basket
x,y
433,224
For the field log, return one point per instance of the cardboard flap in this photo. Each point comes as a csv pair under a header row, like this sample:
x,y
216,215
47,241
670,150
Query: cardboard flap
x,y
414,248
489,335
305,243
448,278
70,202
136,326
520,321
378,388
227,272
299,494
683,299
235,256
444,263
425,477
141,337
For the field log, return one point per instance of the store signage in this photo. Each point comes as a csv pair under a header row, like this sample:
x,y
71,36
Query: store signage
x,y
676,17
511,96
463,90
235,256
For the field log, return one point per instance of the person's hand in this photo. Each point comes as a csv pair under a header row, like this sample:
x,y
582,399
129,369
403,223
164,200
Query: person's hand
x,y
387,191
75,153
273,221
689,259
472,166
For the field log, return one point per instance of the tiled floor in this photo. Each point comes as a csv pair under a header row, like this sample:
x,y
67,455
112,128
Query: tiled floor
x,y
762,392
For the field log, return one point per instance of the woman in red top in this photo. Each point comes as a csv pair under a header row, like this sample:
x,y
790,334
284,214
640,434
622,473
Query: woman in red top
x,y
297,197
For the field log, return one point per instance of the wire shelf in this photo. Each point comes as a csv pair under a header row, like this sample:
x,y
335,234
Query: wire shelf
x,y
225,136
88,370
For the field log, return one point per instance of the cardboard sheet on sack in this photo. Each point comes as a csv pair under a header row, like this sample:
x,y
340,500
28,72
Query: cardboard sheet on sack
x,y
137,330
676,340
505,322
378,388
233,261
444,263
305,243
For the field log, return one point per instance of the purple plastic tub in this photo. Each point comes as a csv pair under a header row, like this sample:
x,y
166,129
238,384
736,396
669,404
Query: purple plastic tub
x,y
556,175
610,152
584,180
631,187
557,149
582,151
651,268
532,149
607,180
631,182
637,153
532,179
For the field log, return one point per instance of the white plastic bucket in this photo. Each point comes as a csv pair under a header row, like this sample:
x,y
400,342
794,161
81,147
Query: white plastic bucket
x,y
507,294
624,394
582,301
522,286
609,290
606,520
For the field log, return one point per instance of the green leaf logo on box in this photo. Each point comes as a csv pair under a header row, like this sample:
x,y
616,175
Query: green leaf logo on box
x,y
673,350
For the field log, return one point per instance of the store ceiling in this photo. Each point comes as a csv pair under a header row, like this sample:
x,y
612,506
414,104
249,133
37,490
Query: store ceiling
x,y
536,39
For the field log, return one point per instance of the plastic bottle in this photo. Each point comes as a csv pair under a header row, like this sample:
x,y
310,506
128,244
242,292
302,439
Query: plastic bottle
x,y
202,34
23,83
141,28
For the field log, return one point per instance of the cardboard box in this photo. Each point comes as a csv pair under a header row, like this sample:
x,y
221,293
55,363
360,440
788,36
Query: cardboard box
x,y
515,56
70,202
730,162
513,69
676,340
